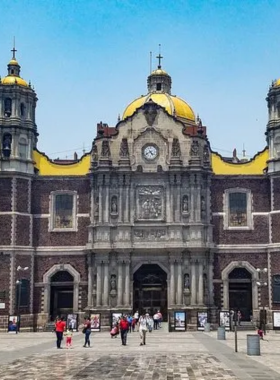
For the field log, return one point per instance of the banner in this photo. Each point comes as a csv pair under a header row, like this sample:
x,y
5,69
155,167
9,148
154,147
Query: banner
x,y
180,321
202,317
13,324
72,322
95,322
225,319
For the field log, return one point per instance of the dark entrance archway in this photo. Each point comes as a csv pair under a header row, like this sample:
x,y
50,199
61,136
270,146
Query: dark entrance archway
x,y
62,292
150,290
240,292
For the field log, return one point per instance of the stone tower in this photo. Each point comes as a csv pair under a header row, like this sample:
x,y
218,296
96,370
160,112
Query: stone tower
x,y
273,127
18,131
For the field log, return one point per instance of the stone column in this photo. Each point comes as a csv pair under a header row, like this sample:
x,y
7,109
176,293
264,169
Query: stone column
x,y
200,296
179,284
178,203
126,210
225,294
120,202
192,199
100,208
120,284
127,283
193,283
107,204
98,285
89,279
171,187
168,209
172,283
210,282
76,298
106,284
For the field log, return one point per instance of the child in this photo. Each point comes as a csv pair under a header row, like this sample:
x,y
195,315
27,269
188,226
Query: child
x,y
260,333
114,332
69,335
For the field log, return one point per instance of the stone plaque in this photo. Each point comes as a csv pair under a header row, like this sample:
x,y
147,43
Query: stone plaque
x,y
150,235
150,205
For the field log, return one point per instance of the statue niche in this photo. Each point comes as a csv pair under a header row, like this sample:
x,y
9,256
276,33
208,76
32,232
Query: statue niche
x,y
185,204
124,149
114,206
105,150
176,151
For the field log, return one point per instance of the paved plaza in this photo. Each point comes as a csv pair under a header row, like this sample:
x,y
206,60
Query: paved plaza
x,y
185,355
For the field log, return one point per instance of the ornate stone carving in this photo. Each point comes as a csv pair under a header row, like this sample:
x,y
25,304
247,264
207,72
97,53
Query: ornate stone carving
x,y
150,112
94,153
96,207
113,282
186,281
176,151
124,148
114,205
105,151
203,207
150,202
206,156
185,204
154,234
195,149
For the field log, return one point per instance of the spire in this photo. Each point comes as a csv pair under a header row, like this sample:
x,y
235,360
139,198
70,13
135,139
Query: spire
x,y
13,66
14,50
159,57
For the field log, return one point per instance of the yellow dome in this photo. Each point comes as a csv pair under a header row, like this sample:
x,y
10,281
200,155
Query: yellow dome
x,y
172,104
159,72
13,62
277,83
11,79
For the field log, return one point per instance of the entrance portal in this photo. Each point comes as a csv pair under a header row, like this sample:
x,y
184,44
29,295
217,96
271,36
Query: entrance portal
x,y
150,290
61,294
240,292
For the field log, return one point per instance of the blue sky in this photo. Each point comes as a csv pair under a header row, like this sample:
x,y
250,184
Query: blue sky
x,y
89,59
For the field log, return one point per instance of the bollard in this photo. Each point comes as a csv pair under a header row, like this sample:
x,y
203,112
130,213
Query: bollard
x,y
207,327
221,333
253,345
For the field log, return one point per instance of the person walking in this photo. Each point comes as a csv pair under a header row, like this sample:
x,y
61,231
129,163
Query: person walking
x,y
156,318
59,329
87,332
124,327
159,318
143,328
69,337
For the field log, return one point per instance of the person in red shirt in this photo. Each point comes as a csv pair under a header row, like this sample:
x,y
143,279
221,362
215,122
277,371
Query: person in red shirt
x,y
124,327
59,329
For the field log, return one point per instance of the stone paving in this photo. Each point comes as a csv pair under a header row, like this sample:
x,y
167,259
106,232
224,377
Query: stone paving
x,y
169,356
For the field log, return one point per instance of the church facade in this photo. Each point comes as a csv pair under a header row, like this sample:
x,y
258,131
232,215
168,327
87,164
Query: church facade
x,y
151,218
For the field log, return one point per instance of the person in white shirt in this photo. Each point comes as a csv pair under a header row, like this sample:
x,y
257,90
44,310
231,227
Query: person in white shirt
x,y
143,328
136,317
156,318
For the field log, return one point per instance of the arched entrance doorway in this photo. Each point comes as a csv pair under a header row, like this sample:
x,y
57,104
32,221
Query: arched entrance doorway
x,y
240,292
62,294
150,289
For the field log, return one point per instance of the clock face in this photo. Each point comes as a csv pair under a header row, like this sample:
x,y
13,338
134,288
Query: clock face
x,y
150,152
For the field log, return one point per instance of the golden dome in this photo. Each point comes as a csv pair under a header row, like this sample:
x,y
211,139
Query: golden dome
x,y
12,79
277,82
13,62
172,104
158,72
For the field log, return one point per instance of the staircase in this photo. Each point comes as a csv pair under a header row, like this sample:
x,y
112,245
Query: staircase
x,y
49,327
246,326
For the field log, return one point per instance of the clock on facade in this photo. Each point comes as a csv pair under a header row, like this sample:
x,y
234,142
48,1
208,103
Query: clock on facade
x,y
150,152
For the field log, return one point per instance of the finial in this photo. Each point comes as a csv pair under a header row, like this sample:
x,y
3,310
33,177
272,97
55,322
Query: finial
x,y
14,49
244,151
159,57
119,117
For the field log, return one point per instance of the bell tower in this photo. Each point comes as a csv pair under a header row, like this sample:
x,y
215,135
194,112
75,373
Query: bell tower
x,y
18,130
273,127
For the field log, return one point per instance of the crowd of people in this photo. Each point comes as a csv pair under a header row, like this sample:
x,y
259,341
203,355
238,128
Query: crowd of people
x,y
130,323
125,324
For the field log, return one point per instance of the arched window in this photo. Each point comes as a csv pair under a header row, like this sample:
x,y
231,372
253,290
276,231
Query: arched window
x,y
8,107
22,147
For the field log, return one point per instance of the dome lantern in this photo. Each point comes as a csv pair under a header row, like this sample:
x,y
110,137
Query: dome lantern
x,y
159,81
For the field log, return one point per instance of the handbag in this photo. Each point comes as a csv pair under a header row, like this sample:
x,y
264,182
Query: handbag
x,y
84,330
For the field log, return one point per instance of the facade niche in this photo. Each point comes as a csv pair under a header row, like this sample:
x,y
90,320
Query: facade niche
x,y
7,145
276,288
8,107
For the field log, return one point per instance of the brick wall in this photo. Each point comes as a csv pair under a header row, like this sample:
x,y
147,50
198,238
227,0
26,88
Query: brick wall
x,y
276,187
259,235
5,194
275,223
5,268
23,230
44,263
260,188
5,228
22,197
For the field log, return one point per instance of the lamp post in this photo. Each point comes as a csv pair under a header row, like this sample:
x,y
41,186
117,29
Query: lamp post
x,y
18,284
261,283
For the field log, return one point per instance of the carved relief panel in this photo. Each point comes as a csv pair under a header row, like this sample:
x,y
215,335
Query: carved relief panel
x,y
150,203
